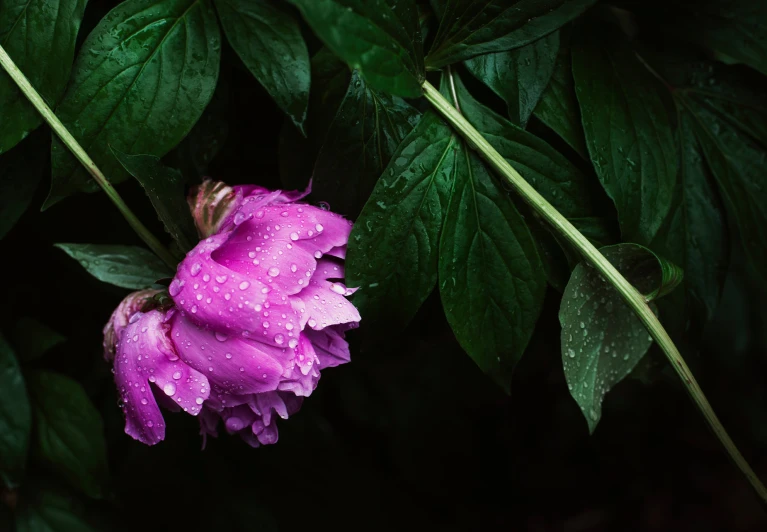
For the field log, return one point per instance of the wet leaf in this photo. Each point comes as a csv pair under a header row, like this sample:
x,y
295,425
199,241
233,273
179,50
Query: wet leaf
x,y
491,279
552,175
695,234
268,40
125,266
15,417
394,246
602,339
165,188
69,432
469,28
380,38
366,130
558,106
518,76
628,133
39,36
141,80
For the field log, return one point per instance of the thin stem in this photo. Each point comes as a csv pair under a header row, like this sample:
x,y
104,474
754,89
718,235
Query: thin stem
x,y
630,294
34,97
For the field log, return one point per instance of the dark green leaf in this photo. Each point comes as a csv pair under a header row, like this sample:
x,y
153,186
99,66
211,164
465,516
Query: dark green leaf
x,y
165,188
141,80
518,76
39,35
20,173
194,154
126,266
695,234
542,166
558,107
365,133
469,27
380,38
330,81
269,42
736,160
491,279
628,134
32,339
394,245
602,339
735,28
49,512
15,417
69,431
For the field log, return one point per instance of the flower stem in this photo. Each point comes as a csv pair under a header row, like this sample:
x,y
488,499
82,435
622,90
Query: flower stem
x,y
630,294
66,137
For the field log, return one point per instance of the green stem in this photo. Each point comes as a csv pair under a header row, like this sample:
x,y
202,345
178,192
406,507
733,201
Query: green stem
x,y
78,151
630,294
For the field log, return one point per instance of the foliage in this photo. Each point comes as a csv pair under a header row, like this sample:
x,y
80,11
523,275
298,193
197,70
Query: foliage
x,y
643,123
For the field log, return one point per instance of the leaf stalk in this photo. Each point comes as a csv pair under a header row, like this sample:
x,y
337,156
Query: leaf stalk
x,y
631,295
77,150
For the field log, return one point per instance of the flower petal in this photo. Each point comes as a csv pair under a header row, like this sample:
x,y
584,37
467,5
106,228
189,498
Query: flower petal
x,y
228,301
322,304
233,365
145,355
330,346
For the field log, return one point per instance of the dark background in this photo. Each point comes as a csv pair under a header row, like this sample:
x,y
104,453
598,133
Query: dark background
x,y
411,434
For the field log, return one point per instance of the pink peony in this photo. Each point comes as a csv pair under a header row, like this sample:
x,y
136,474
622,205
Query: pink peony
x,y
259,308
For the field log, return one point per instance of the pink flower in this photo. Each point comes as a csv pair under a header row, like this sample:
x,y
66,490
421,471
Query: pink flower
x,y
259,308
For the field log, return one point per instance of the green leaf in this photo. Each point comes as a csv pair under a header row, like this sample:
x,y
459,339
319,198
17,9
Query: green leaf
x,y
49,512
165,188
518,76
366,131
125,266
39,35
602,339
193,155
380,38
394,246
491,278
69,431
141,80
628,134
695,234
735,153
20,173
558,107
15,417
735,28
469,28
268,40
543,167
32,339
297,154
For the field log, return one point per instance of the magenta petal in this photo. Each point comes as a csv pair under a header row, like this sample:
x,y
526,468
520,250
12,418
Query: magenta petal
x,y
145,355
330,346
232,364
227,301
322,304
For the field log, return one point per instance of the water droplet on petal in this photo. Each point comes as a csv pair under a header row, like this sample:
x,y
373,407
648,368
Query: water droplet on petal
x,y
273,271
169,389
244,285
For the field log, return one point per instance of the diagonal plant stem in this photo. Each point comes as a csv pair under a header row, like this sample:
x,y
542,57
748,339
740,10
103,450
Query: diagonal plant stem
x,y
66,137
631,295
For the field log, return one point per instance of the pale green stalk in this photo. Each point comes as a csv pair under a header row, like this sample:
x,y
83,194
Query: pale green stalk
x,y
78,151
631,295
